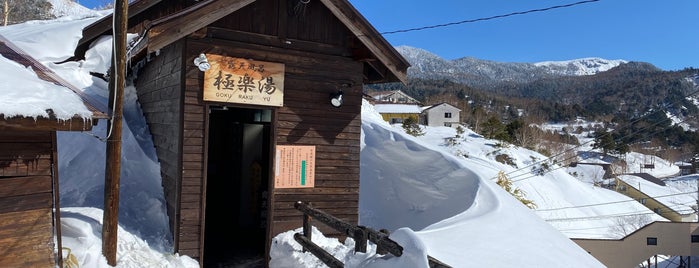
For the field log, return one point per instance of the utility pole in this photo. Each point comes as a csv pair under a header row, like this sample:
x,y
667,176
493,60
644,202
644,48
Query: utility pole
x,y
117,82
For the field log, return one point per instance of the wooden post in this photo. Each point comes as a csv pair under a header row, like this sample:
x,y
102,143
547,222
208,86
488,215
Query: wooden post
x,y
360,239
110,219
379,248
319,252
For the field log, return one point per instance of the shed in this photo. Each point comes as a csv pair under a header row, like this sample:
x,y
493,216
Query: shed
x,y
441,115
237,95
36,104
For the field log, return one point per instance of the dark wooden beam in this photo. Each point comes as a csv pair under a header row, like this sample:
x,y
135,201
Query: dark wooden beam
x,y
45,124
167,30
369,37
275,41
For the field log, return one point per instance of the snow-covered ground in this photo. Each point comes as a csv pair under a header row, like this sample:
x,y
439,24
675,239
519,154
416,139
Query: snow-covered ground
x,y
436,198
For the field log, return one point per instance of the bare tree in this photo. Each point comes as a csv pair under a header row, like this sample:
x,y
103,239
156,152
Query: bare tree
x,y
624,225
18,11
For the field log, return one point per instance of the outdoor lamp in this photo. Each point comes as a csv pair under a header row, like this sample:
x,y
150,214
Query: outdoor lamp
x,y
202,62
336,99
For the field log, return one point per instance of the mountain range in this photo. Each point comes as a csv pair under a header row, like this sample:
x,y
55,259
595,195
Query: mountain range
x,y
484,73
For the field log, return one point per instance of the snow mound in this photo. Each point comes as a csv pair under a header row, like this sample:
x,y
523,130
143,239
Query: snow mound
x,y
462,218
82,231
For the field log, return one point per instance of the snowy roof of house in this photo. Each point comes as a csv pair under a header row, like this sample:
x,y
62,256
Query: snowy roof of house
x,y
398,108
440,104
674,199
34,97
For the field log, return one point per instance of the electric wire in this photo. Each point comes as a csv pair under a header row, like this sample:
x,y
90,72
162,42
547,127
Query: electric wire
x,y
489,18
552,158
613,202
575,156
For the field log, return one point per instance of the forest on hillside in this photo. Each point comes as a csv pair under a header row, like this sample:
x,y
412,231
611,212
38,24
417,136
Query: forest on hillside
x,y
634,99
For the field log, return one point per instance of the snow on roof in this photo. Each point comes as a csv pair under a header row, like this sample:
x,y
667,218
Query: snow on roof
x,y
440,104
24,94
673,198
398,108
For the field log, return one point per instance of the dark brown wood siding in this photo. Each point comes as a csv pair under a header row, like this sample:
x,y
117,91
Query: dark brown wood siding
x,y
193,156
159,88
26,199
307,118
289,19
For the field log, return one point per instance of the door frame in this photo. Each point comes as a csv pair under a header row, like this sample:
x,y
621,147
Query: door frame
x,y
270,180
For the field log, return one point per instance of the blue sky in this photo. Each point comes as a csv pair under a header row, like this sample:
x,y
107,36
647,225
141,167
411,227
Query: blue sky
x,y
664,33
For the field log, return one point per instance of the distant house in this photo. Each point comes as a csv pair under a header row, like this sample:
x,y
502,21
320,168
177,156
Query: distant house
x,y
35,104
393,96
652,193
442,114
397,113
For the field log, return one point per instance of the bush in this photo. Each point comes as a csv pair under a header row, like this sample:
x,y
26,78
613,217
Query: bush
x,y
411,127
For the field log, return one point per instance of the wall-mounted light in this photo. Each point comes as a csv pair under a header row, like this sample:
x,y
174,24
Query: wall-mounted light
x,y
336,99
202,62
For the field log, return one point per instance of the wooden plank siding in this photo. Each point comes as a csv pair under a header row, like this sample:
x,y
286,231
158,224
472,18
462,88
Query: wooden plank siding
x,y
307,118
321,56
26,198
161,98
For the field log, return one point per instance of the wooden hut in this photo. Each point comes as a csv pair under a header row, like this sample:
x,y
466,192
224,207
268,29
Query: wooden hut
x,y
237,95
29,207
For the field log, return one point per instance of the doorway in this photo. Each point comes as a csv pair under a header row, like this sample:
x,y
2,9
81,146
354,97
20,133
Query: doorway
x,y
237,187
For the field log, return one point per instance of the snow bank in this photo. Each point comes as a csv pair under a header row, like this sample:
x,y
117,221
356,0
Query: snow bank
x,y
82,234
461,217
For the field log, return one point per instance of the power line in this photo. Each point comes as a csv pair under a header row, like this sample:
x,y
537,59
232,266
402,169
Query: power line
x,y
489,18
614,202
600,217
630,124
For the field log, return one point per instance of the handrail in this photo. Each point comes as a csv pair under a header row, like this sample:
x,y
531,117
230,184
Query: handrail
x,y
360,234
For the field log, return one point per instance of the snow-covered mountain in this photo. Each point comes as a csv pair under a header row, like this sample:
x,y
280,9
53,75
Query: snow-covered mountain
x,y
62,8
585,66
476,72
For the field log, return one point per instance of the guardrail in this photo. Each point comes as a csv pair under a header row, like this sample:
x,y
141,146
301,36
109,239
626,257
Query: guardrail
x,y
360,234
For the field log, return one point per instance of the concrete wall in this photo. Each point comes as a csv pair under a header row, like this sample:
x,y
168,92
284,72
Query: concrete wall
x,y
673,238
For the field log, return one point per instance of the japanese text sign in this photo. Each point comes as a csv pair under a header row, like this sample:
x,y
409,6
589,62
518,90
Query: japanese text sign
x,y
294,166
236,80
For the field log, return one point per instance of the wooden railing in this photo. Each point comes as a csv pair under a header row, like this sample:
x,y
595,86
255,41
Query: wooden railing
x,y
360,234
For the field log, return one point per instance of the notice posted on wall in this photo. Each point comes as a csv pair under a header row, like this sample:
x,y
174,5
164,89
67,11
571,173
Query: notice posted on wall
x,y
294,166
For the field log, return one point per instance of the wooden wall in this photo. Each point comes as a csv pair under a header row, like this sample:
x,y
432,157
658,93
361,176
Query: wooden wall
x,y
316,49
160,95
307,118
26,198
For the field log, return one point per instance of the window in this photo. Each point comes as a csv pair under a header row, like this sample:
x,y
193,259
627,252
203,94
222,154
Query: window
x,y
643,201
447,115
695,238
652,241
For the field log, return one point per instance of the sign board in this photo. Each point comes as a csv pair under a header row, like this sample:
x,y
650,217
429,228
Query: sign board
x,y
236,80
295,166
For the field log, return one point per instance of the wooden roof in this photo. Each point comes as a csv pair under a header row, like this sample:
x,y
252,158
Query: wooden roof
x,y
163,31
98,110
